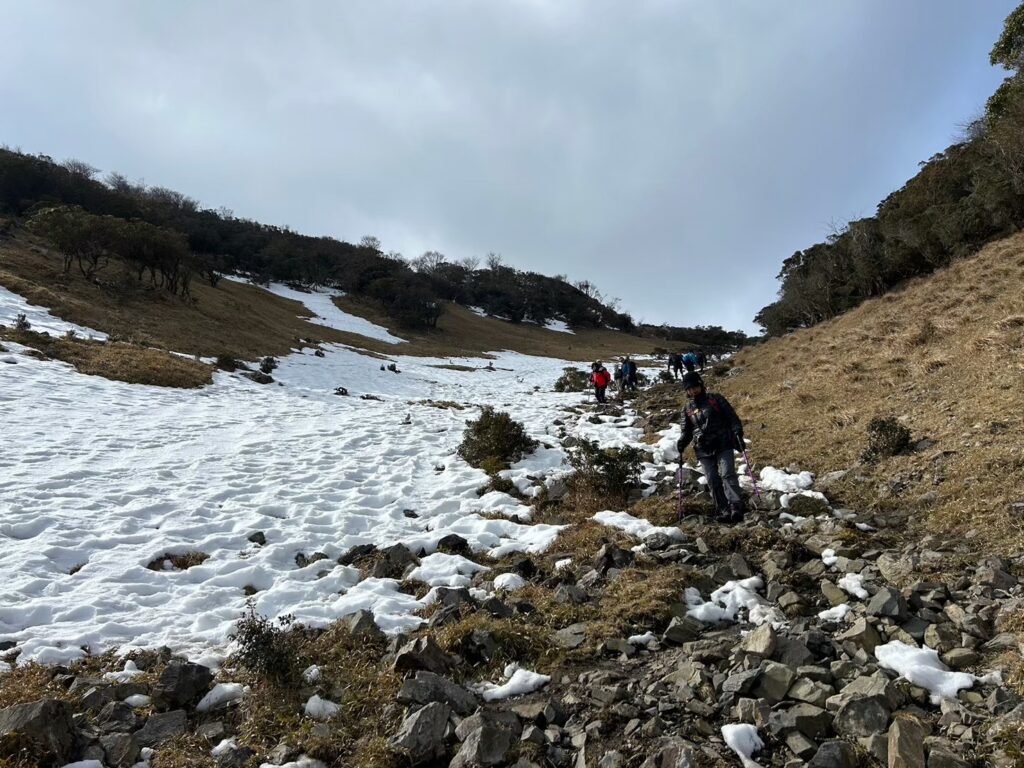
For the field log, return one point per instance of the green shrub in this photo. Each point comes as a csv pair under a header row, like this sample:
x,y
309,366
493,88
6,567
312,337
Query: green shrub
x,y
610,472
494,441
267,650
572,380
886,437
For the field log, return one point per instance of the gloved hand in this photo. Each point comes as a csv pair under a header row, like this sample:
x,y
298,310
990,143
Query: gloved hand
x,y
681,445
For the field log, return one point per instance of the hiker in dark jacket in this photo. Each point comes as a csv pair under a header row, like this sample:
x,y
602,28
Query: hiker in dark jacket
x,y
710,422
629,374
702,360
600,378
675,364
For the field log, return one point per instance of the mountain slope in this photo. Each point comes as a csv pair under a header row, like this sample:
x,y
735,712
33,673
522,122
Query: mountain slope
x,y
945,355
248,322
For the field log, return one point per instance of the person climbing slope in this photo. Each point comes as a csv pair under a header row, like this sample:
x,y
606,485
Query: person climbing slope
x,y
629,374
620,381
689,362
710,422
702,359
600,378
675,364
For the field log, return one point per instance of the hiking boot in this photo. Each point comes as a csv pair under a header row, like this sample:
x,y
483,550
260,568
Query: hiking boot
x,y
736,514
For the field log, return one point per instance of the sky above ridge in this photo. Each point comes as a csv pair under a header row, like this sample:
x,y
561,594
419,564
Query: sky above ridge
x,y
673,152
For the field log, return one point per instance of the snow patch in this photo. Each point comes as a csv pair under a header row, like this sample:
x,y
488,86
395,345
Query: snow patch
x,y
509,582
744,740
518,682
635,526
320,709
728,600
921,666
220,695
773,479
853,584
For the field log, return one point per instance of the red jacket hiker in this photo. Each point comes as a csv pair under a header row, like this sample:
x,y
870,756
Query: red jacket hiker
x,y
601,379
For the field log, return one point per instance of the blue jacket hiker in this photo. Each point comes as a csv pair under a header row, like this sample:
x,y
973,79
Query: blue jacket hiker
x,y
711,424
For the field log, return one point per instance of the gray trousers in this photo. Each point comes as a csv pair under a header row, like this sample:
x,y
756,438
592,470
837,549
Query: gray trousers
x,y
720,471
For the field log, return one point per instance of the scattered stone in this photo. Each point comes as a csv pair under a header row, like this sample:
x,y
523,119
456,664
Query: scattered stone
x,y
835,754
612,556
423,653
888,602
362,624
47,723
487,738
906,743
569,594
682,630
453,544
259,538
182,684
121,749
421,735
571,637
760,641
426,687
861,634
774,682
161,727
862,716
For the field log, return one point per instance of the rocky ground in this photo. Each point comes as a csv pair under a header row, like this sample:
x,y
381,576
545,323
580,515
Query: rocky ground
x,y
785,631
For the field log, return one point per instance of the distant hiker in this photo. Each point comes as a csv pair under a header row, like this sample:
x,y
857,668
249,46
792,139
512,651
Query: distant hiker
x,y
629,374
689,362
620,383
675,364
600,378
710,422
702,360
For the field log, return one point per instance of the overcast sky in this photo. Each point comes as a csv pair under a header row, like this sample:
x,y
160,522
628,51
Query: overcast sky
x,y
672,151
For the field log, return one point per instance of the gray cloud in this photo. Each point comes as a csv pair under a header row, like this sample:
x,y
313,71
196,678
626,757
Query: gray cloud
x,y
672,152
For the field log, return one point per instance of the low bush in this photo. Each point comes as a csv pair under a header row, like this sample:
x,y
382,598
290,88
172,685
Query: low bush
x,y
495,440
610,472
268,364
886,437
267,649
21,322
572,380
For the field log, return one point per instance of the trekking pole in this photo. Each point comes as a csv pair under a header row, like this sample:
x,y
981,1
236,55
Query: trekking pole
x,y
750,472
679,495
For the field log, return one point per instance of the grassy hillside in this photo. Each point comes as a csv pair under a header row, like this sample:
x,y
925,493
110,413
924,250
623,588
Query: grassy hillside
x,y
945,355
247,322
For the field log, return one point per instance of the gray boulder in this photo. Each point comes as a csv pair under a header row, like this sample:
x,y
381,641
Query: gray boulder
x,y
182,684
423,653
835,754
46,723
162,727
427,687
421,735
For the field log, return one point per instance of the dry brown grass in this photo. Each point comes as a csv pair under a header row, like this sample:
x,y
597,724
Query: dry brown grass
x,y
952,375
118,361
247,322
235,319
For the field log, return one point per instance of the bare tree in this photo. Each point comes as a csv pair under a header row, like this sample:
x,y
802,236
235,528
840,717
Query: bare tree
x,y
370,242
470,263
494,261
428,262
80,168
588,289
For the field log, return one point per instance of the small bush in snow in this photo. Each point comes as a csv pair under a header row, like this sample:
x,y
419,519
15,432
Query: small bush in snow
x,y
495,440
21,323
265,648
610,472
268,364
572,380
227,363
886,437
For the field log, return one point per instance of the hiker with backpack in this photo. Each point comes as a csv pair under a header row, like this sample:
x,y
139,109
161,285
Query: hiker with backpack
x,y
689,362
710,422
702,359
620,380
675,365
600,378
629,374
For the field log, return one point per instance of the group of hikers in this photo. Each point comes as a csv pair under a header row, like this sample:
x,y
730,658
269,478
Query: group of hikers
x,y
709,422
677,361
625,378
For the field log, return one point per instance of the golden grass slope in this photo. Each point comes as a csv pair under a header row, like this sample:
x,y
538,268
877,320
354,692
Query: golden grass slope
x,y
244,321
944,354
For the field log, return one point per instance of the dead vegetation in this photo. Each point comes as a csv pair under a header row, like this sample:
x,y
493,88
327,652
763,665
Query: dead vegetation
x,y
117,360
945,354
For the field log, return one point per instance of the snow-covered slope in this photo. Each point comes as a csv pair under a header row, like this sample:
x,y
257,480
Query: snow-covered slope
x,y
100,478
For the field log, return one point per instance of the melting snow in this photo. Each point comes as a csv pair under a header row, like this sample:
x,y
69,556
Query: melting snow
x,y
635,526
773,479
509,582
744,740
829,558
836,614
921,666
220,694
518,682
321,709
853,584
326,312
728,600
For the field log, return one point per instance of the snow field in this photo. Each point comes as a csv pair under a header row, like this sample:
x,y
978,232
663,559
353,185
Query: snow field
x,y
100,478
